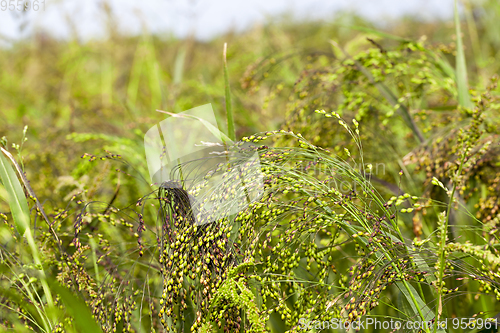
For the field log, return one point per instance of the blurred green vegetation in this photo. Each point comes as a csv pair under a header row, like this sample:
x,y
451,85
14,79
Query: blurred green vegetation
x,y
87,106
114,85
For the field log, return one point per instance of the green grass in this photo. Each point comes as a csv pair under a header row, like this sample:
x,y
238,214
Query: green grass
x,y
379,159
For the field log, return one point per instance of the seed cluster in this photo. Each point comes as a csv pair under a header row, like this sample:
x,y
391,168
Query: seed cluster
x,y
194,261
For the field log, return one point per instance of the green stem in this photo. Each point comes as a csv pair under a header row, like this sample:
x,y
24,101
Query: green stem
x,y
461,67
442,245
229,109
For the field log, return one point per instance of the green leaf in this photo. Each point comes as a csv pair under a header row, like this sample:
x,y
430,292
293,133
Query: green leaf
x,y
442,64
229,106
83,320
411,296
179,65
17,200
214,130
461,67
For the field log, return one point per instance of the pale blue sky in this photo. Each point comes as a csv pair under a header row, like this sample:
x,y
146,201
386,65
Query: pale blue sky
x,y
205,17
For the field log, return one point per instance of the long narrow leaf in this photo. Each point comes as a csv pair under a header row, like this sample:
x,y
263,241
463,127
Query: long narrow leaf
x,y
19,209
17,200
422,307
180,59
214,130
461,67
229,107
77,308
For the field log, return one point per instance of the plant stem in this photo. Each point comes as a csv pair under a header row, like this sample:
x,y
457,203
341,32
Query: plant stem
x,y
461,67
442,254
229,108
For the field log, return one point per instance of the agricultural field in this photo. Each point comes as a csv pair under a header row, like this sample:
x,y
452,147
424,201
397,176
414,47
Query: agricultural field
x,y
353,182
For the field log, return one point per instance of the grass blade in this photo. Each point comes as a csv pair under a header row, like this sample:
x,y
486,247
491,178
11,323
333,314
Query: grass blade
x,y
20,212
180,59
16,198
77,308
461,67
214,130
229,107
410,293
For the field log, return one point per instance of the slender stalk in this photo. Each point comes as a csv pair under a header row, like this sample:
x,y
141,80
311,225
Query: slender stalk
x,y
28,235
461,66
32,194
442,245
229,108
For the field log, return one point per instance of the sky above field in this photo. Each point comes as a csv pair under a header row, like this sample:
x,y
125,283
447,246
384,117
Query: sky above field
x,y
204,18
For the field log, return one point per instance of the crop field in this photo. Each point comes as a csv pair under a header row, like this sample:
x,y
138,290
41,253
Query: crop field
x,y
300,176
